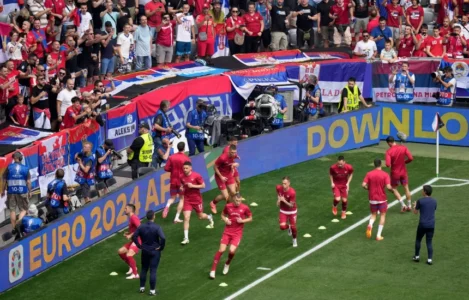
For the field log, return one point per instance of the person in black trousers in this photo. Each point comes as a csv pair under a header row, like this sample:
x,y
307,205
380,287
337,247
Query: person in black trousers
x,y
427,208
150,238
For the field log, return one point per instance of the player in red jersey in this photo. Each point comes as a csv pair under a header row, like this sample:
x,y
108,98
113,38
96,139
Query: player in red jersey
x,y
397,156
224,176
376,182
174,165
128,251
191,183
235,215
286,200
233,141
341,175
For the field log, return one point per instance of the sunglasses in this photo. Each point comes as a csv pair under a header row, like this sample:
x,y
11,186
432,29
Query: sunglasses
x,y
366,36
63,74
235,11
101,85
40,70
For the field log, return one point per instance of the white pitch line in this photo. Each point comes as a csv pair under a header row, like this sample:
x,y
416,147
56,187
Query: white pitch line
x,y
454,179
321,245
451,185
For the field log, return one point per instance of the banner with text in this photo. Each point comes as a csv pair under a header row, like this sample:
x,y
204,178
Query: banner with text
x,y
122,125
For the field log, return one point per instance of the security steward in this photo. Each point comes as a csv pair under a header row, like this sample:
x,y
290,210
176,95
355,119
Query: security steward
x,y
57,196
195,124
140,153
17,185
350,97
153,242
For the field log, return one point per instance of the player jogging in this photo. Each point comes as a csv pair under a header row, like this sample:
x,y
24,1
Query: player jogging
x,y
376,182
192,183
128,251
286,200
235,214
233,141
397,156
224,176
341,175
174,165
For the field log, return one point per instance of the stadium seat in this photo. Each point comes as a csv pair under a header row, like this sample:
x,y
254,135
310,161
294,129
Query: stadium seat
x,y
79,192
93,194
111,181
100,186
145,170
424,3
428,15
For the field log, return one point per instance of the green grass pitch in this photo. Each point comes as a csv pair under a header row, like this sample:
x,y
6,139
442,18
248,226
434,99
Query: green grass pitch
x,y
350,267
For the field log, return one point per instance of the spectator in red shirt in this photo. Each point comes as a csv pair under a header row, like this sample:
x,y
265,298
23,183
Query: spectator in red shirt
x,y
199,6
341,15
434,45
154,10
165,40
394,19
374,20
422,39
446,29
72,114
455,43
20,112
206,35
36,39
414,15
446,10
254,27
234,25
406,42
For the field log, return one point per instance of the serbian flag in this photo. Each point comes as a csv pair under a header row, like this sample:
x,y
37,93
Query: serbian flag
x,y
437,123
13,135
8,6
190,69
121,125
5,30
271,58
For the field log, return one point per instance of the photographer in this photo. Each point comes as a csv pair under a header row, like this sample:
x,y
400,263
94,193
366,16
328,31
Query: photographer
x,y
403,84
350,97
281,104
195,127
164,152
447,93
161,125
104,155
314,97
85,172
57,196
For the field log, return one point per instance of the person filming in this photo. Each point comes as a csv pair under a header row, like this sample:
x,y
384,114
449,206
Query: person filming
x,y
403,84
447,93
195,127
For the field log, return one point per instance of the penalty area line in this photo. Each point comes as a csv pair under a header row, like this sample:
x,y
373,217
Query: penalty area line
x,y
317,247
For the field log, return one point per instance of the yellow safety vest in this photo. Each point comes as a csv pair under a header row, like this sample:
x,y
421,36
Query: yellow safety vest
x,y
352,99
146,152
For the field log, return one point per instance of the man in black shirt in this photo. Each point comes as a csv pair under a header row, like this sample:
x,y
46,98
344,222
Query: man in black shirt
x,y
175,6
427,208
88,59
305,15
327,31
124,17
279,29
361,17
40,103
26,70
108,59
98,6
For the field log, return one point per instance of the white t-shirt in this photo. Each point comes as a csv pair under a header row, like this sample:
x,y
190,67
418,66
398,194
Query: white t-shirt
x,y
184,29
66,97
85,23
125,42
367,48
16,54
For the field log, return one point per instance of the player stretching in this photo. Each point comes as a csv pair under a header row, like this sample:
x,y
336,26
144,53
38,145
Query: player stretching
x,y
341,175
224,176
286,200
128,251
397,156
376,182
235,214
233,141
192,183
174,166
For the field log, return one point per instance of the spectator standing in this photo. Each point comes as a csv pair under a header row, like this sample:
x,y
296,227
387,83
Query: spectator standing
x,y
40,102
394,19
374,20
434,45
88,58
39,11
13,88
132,6
177,6
361,13
406,43
108,15
108,59
57,195
85,173
20,112
414,16
456,43
381,34
154,11
254,28
4,83
235,29
366,48
341,15
305,15
279,29
15,48
185,30
36,38
326,22
26,69
263,7
124,46
64,99
143,42
85,20
422,39
206,34
165,40
73,114
97,7
124,17
195,127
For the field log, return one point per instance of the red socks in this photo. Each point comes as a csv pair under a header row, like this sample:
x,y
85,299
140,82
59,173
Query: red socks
x,y
284,227
336,202
230,257
344,205
124,257
216,259
294,232
132,264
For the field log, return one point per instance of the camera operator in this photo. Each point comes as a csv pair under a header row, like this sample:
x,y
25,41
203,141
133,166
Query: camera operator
x,y
140,153
314,97
161,125
57,196
31,222
350,97
281,104
164,152
104,155
447,92
195,127
455,43
85,172
403,84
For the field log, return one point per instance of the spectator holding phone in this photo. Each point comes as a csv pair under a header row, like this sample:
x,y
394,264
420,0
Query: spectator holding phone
x,y
381,33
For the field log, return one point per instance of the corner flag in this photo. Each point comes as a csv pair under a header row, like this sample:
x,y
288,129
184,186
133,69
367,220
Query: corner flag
x,y
437,122
436,125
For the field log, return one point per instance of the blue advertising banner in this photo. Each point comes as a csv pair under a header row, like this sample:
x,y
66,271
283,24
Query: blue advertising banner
x,y
416,122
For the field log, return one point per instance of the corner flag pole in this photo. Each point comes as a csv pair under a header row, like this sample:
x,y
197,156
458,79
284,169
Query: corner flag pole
x,y
436,125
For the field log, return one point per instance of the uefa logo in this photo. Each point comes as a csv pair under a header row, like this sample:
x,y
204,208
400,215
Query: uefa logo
x,y
129,119
16,264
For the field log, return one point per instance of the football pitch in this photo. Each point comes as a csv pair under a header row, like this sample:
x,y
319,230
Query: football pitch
x,y
335,263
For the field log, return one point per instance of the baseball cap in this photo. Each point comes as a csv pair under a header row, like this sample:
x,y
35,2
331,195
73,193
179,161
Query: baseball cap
x,y
109,143
32,211
206,5
144,125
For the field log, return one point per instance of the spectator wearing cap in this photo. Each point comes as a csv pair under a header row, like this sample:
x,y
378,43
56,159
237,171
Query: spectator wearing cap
x,y
31,222
206,34
195,127
104,161
140,153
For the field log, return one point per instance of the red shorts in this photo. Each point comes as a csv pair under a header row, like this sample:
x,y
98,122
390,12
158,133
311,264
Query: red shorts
x,y
235,174
222,184
340,191
206,48
283,218
399,179
175,190
381,207
189,206
131,246
231,239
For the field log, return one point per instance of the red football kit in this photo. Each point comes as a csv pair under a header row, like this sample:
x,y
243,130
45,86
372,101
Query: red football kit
x,y
233,233
455,47
377,181
436,45
175,165
192,196
394,13
420,52
226,150
287,213
342,13
415,15
253,23
224,163
68,120
20,113
396,158
340,178
406,47
134,223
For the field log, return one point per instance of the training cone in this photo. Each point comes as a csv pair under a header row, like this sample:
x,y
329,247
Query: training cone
x,y
322,228
223,284
254,204
349,213
113,274
209,227
307,235
335,221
